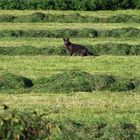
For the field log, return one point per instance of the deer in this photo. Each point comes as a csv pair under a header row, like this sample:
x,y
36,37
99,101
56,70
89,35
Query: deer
x,y
76,48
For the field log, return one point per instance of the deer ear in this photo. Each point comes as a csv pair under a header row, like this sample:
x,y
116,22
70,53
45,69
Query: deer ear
x,y
67,39
64,39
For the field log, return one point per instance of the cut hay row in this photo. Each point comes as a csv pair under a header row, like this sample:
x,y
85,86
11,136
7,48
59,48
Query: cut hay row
x,y
55,46
95,49
67,32
70,18
67,82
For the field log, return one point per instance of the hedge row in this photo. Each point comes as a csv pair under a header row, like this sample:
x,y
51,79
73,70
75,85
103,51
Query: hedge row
x,y
60,33
97,49
63,18
67,82
89,5
17,125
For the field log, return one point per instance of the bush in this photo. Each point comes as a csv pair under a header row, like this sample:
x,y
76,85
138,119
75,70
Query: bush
x,y
70,4
34,125
23,125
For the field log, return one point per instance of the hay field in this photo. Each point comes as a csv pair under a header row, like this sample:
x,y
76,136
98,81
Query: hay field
x,y
104,97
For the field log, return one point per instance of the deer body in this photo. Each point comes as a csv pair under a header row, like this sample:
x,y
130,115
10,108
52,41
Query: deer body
x,y
76,48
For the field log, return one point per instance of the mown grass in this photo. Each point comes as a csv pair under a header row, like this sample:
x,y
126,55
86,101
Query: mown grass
x,y
37,66
57,12
77,111
80,106
47,42
45,26
111,108
70,18
55,46
54,30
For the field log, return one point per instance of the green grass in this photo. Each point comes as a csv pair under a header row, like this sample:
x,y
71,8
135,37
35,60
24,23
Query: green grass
x,y
85,110
112,107
45,26
70,17
95,13
46,42
82,107
37,66
55,46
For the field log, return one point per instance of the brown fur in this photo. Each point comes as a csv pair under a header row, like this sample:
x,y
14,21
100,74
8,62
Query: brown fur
x,y
76,48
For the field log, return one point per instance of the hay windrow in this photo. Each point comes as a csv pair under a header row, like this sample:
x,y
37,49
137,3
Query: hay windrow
x,y
67,32
66,82
69,18
79,81
97,49
11,81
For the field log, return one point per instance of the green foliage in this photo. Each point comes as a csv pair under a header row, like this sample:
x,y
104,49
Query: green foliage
x,y
32,125
70,4
23,125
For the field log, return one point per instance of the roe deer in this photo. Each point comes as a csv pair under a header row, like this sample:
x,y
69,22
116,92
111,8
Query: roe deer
x,y
76,48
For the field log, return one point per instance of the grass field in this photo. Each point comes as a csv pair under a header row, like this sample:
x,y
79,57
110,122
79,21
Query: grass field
x,y
120,111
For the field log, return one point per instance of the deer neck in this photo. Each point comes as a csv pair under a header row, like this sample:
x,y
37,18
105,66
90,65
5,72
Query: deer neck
x,y
68,45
